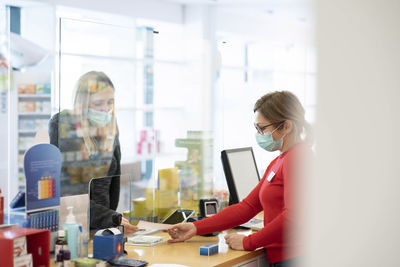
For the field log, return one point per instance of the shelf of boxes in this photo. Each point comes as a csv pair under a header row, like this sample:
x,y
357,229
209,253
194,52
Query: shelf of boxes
x,y
34,111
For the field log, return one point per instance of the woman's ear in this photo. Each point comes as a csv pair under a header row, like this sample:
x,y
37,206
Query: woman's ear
x,y
287,126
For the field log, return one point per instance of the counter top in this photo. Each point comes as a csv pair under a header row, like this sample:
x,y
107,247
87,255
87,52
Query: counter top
x,y
188,252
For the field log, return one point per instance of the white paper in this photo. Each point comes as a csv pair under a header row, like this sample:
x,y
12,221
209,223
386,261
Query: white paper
x,y
148,228
142,240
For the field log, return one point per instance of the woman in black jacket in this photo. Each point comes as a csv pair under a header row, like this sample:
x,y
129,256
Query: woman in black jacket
x,y
88,139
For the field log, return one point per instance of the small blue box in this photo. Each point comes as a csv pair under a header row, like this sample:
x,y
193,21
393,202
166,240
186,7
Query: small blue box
x,y
108,244
208,250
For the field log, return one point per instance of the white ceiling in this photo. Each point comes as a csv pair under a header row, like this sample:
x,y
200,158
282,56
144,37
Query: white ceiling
x,y
288,9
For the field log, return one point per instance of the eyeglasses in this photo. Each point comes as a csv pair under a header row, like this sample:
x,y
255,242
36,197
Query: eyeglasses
x,y
260,129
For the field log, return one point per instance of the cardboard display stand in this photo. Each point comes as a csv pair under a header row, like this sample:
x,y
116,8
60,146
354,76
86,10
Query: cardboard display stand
x,y
42,164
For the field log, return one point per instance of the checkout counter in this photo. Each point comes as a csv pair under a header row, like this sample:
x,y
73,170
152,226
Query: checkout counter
x,y
187,253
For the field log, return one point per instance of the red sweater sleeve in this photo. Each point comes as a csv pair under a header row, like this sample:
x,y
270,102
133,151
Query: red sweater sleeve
x,y
276,230
233,215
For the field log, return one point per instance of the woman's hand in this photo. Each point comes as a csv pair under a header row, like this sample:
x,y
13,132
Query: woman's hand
x,y
181,232
128,228
235,241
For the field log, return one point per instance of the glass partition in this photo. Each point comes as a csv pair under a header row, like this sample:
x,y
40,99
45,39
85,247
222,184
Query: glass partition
x,y
123,109
153,100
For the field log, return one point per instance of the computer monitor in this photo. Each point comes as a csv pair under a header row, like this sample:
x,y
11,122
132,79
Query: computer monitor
x,y
241,172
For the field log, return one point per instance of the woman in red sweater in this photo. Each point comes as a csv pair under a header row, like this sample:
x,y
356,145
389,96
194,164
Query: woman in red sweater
x,y
280,124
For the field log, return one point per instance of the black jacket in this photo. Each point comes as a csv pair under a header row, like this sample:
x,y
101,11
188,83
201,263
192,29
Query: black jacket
x,y
76,171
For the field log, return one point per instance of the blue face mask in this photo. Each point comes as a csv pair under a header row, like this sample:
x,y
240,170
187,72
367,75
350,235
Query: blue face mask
x,y
267,142
99,118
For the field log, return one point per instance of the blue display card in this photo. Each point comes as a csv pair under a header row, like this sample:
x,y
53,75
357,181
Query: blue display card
x,y
42,164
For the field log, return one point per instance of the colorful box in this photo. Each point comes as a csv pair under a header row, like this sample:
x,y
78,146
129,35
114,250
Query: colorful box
x,y
107,244
209,249
27,106
43,89
24,88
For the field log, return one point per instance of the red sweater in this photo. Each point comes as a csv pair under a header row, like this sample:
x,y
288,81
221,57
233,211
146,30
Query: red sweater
x,y
275,198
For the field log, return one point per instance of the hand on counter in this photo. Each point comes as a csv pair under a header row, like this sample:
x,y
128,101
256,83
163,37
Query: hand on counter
x,y
128,228
181,232
235,241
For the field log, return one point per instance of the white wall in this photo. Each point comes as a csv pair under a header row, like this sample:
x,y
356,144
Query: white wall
x,y
355,199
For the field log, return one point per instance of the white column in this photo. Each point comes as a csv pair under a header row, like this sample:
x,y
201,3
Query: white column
x,y
199,21
355,194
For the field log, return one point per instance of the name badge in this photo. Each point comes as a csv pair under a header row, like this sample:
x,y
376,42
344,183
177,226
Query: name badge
x,y
270,176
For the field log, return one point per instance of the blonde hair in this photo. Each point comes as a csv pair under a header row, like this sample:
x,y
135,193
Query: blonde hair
x,y
88,84
283,105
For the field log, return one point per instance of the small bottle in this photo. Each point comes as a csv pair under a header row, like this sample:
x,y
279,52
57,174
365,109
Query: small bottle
x,y
61,243
84,236
59,259
67,258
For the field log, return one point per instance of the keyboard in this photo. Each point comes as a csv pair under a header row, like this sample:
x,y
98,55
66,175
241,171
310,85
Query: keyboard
x,y
122,261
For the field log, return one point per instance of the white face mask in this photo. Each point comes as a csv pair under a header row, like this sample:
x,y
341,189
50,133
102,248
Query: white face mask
x,y
99,118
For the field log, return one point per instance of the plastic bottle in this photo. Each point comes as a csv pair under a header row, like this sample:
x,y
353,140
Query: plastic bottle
x,y
61,243
59,259
84,243
67,258
72,229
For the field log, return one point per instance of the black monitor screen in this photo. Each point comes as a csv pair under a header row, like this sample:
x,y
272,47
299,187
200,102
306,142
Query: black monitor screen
x,y
240,171
176,217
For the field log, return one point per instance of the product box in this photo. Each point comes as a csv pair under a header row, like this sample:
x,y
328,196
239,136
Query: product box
x,y
43,89
24,88
26,142
27,125
18,201
43,106
27,106
41,124
208,250
23,261
46,107
20,246
108,243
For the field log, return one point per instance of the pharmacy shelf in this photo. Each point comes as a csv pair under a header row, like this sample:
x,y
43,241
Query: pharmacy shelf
x,y
34,96
27,132
33,114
